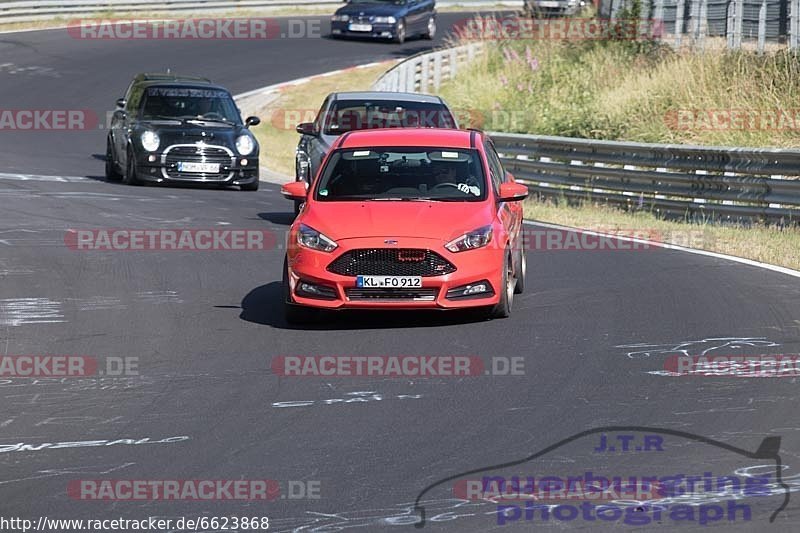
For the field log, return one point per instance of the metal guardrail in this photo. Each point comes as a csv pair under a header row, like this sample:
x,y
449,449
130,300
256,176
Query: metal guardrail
x,y
426,71
693,21
36,10
671,180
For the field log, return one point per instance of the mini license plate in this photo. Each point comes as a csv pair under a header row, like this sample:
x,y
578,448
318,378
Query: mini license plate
x,y
201,168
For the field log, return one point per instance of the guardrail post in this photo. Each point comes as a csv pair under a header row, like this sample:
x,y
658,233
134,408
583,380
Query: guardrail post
x,y
762,27
453,63
794,25
658,19
424,74
738,24
437,70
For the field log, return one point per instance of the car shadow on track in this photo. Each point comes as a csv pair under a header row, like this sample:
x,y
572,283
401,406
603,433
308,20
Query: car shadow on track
x,y
264,306
278,217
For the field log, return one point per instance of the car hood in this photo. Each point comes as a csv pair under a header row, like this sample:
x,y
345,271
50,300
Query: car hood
x,y
442,221
172,132
371,10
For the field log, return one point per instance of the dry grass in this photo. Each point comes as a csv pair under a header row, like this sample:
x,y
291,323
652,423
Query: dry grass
x,y
634,91
276,133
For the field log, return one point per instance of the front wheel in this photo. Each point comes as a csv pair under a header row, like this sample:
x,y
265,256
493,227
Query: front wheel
x,y
507,285
430,32
130,177
112,173
400,34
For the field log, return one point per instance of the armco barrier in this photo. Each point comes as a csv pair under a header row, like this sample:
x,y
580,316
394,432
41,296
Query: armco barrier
x,y
670,179
426,71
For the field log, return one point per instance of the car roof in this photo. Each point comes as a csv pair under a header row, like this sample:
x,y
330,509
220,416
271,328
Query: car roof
x,y
152,79
387,95
434,137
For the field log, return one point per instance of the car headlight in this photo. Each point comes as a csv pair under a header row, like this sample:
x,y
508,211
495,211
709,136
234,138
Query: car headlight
x,y
340,18
384,20
150,141
472,240
245,144
308,237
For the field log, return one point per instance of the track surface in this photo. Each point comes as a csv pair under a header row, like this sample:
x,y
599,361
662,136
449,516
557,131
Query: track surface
x,y
205,326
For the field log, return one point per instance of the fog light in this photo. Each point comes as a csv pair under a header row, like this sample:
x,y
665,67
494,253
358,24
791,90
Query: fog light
x,y
475,289
310,290
152,159
244,162
480,289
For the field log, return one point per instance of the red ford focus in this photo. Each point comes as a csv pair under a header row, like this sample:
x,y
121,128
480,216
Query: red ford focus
x,y
406,219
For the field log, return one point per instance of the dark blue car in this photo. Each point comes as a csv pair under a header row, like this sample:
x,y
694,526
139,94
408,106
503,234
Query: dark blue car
x,y
385,19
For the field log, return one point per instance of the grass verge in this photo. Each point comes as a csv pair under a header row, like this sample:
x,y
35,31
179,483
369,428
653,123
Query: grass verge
x,y
633,91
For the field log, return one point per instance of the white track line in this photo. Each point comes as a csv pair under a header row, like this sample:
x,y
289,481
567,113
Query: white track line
x,y
749,262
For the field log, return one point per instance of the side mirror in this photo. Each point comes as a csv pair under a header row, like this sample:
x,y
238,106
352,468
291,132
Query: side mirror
x,y
305,128
121,103
512,192
295,190
252,121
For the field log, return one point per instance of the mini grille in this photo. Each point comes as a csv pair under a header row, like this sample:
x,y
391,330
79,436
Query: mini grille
x,y
391,262
198,154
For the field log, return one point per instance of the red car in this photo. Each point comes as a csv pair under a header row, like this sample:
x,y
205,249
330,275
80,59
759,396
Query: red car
x,y
406,219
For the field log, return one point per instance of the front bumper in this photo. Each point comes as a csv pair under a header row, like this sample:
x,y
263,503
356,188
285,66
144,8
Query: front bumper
x,y
162,167
472,267
377,31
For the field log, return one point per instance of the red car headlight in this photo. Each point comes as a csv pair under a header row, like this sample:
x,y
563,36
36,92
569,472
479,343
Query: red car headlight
x,y
472,240
308,237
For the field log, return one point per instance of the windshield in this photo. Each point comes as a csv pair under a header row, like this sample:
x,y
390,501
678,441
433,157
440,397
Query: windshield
x,y
349,115
442,174
187,103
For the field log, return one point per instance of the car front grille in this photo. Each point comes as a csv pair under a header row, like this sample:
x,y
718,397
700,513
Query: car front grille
x,y
391,262
193,153
427,295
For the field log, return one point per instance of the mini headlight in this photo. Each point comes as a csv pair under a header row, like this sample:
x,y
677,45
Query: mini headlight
x,y
340,18
472,240
308,237
245,144
150,141
384,20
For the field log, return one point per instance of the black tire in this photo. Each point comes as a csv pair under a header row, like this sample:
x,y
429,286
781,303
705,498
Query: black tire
x,y
112,172
522,268
400,36
503,307
130,177
250,186
430,32
292,313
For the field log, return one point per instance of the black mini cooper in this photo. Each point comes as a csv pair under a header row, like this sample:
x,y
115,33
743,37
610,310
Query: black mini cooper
x,y
177,129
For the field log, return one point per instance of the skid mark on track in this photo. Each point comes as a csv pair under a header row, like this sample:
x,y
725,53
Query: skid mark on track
x,y
19,311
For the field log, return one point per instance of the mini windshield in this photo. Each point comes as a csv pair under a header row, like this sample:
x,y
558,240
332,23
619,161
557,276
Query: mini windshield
x,y
437,174
349,115
188,103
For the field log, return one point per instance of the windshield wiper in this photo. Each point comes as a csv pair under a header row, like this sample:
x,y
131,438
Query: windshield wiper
x,y
218,120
